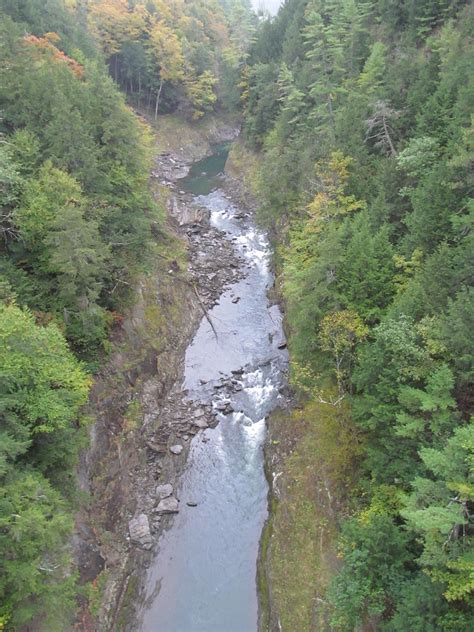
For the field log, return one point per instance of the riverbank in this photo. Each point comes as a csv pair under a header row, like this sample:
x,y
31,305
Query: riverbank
x,y
137,414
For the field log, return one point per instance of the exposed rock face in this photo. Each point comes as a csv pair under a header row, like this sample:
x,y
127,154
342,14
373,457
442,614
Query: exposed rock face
x,y
168,505
139,529
163,491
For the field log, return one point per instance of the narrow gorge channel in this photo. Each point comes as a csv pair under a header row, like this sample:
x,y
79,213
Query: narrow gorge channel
x,y
203,578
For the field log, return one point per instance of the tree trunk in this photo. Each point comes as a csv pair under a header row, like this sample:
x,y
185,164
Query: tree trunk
x,y
158,99
393,151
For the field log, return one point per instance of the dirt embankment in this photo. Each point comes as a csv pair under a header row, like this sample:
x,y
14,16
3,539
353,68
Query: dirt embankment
x,y
138,413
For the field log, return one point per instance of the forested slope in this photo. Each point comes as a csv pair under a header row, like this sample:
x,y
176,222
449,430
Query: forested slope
x,y
362,114
78,224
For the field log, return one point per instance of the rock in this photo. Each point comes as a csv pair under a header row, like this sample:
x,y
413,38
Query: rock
x,y
222,405
168,505
199,412
163,491
282,345
236,299
200,423
176,449
192,503
139,529
156,447
237,372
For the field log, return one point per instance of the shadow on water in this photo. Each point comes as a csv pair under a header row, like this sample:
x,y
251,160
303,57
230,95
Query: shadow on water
x,y
203,578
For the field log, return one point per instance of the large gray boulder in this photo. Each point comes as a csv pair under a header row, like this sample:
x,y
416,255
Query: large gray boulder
x,y
163,491
200,423
168,505
139,529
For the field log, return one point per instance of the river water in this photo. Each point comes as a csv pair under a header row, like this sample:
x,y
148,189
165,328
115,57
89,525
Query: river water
x,y
204,576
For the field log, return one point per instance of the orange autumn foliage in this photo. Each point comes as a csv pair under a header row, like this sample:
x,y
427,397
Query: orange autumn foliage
x,y
45,47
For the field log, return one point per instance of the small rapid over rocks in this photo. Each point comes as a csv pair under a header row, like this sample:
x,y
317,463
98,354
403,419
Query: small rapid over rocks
x,y
203,577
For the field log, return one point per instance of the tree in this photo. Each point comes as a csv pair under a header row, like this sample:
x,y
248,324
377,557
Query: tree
x,y
43,201
438,509
379,127
428,414
201,93
10,187
339,332
75,254
165,52
36,579
331,202
374,553
42,387
365,274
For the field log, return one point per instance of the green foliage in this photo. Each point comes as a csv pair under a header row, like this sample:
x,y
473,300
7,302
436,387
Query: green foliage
x,y
438,509
76,210
75,220
35,579
363,114
374,554
421,608
42,387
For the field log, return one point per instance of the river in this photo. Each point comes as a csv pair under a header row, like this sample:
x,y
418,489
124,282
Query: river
x,y
203,578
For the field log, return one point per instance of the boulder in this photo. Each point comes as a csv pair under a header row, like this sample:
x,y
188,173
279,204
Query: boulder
x,y
176,449
223,405
200,423
168,505
139,529
163,491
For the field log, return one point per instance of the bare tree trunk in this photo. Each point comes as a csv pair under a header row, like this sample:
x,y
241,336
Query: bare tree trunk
x,y
393,151
158,99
